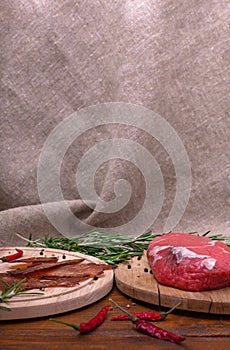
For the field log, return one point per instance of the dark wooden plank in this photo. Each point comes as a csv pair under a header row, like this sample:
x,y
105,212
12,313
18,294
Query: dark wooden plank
x,y
202,331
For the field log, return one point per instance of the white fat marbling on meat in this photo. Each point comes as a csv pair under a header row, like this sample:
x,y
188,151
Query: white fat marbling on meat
x,y
180,253
211,243
155,250
209,263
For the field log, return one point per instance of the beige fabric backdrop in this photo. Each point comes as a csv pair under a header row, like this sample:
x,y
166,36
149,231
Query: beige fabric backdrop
x,y
171,56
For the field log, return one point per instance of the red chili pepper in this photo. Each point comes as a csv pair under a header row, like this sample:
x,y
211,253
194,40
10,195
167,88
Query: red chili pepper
x,y
157,332
89,326
12,256
151,329
146,315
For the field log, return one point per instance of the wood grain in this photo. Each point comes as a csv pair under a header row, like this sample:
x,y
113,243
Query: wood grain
x,y
58,299
202,331
134,279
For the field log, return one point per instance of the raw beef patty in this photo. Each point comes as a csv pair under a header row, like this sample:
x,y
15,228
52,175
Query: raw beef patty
x,y
189,262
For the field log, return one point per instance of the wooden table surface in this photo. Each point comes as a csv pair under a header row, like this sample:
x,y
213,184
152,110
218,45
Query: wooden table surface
x,y
202,331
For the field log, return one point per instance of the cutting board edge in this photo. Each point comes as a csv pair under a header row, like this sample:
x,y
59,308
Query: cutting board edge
x,y
209,302
150,298
47,312
88,294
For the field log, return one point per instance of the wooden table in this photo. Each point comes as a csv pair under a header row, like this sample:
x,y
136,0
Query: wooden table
x,y
202,331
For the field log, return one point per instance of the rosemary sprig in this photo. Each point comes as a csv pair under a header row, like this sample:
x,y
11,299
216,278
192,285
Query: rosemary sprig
x,y
220,237
112,249
12,290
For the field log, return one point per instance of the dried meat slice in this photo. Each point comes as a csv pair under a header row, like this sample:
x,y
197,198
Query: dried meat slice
x,y
51,259
66,273
44,266
35,283
78,270
189,262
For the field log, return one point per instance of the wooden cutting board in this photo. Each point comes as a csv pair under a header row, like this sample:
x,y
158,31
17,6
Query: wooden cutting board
x,y
135,279
55,300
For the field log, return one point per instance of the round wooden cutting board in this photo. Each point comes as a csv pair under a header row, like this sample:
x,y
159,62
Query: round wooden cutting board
x,y
134,278
55,300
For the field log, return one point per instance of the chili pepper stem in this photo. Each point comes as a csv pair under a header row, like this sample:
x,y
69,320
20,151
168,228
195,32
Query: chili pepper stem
x,y
132,318
164,314
75,326
150,329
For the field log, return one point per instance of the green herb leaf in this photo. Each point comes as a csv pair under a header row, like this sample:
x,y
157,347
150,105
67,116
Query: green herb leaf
x,y
111,248
12,290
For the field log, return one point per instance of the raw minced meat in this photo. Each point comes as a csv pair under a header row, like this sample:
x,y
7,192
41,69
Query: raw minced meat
x,y
189,262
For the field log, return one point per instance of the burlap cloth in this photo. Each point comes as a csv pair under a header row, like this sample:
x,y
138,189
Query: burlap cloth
x,y
57,57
